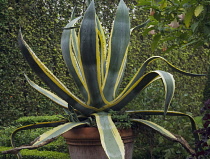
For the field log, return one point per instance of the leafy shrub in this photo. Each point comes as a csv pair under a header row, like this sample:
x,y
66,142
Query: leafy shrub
x,y
203,146
35,154
5,135
151,145
26,135
29,135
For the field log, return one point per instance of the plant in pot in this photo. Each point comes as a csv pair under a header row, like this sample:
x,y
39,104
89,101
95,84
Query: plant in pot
x,y
98,73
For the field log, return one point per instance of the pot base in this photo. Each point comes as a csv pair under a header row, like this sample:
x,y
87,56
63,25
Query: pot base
x,y
84,143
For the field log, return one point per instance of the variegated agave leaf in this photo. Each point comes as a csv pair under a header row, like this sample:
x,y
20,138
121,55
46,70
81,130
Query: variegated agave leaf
x,y
165,133
110,137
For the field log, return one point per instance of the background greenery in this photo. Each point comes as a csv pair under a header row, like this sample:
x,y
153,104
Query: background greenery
x,y
42,22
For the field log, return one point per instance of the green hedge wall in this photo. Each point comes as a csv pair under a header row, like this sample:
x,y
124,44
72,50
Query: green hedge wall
x,y
42,30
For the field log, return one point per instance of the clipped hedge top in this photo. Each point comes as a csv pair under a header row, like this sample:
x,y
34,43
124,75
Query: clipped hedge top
x,y
36,119
35,154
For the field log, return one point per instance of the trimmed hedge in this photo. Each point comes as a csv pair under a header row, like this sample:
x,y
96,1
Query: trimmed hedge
x,y
35,154
36,119
26,136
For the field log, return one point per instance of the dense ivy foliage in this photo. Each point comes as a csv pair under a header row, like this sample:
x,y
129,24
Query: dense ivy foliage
x,y
42,21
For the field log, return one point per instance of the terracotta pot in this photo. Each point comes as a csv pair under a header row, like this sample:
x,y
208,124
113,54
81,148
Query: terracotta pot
x,y
84,143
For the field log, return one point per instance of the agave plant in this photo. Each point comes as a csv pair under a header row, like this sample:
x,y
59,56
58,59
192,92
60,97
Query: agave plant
x,y
98,72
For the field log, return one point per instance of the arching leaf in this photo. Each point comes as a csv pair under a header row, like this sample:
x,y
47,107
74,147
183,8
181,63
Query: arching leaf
x,y
35,126
51,80
90,55
165,133
117,52
48,94
141,71
68,41
110,137
57,131
127,95
169,113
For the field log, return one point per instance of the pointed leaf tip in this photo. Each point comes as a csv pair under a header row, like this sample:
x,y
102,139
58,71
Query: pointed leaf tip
x,y
20,34
92,3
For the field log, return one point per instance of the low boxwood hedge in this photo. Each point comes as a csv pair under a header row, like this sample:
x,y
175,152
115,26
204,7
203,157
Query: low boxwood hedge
x,y
26,136
34,154
36,119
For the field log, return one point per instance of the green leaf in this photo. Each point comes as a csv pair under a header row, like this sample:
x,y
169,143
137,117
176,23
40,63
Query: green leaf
x,y
163,4
128,94
166,133
143,2
35,126
140,26
155,41
48,94
194,26
190,43
169,85
206,30
156,127
153,58
42,71
57,131
141,71
45,138
198,121
198,10
51,80
169,113
141,81
32,126
188,16
68,41
102,50
157,16
110,138
90,56
117,52
208,142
